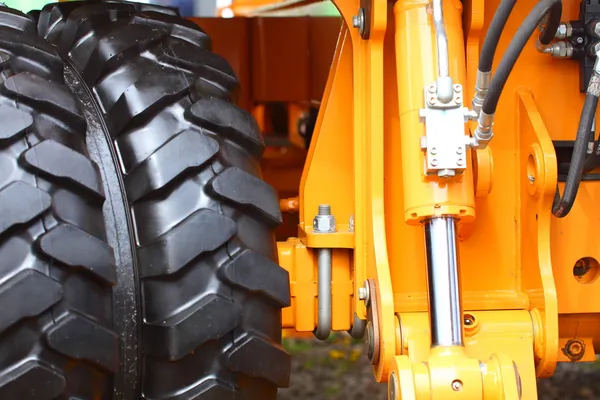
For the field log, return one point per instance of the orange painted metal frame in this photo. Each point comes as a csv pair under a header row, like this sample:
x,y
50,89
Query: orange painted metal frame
x,y
505,251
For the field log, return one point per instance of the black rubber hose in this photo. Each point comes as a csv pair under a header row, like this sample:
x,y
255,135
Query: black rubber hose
x,y
551,7
552,24
492,36
562,206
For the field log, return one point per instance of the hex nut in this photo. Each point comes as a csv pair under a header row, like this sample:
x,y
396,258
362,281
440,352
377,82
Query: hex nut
x,y
562,31
324,224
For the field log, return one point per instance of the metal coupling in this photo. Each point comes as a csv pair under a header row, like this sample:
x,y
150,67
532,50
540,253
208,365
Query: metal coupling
x,y
560,50
564,31
483,133
542,48
482,83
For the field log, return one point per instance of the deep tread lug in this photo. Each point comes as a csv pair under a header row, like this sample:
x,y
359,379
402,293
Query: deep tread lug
x,y
73,335
32,380
84,19
201,232
260,359
78,249
117,48
34,51
216,76
20,203
14,122
232,122
29,293
249,192
210,319
176,26
145,96
58,160
256,273
14,19
53,97
187,150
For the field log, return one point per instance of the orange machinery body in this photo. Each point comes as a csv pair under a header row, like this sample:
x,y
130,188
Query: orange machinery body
x,y
516,260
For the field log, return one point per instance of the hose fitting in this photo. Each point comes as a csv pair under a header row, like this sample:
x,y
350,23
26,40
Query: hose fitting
x,y
557,50
483,133
482,83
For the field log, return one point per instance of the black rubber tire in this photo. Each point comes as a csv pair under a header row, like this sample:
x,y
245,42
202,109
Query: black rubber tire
x,y
202,217
56,268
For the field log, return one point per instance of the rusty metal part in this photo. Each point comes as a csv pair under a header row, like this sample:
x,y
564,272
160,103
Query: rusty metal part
x,y
373,324
574,349
289,205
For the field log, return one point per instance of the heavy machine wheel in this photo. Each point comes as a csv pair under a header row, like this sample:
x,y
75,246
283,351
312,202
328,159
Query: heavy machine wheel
x,y
199,303
56,268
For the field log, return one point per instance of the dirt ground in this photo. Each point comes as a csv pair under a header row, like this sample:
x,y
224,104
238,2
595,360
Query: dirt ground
x,y
339,370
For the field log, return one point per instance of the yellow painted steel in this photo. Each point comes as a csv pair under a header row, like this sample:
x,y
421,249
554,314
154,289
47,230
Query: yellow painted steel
x,y
416,60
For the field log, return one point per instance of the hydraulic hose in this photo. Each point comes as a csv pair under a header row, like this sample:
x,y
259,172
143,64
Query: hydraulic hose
x,y
486,58
552,8
492,37
488,93
562,205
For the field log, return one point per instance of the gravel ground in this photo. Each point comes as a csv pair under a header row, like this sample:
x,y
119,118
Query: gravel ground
x,y
339,370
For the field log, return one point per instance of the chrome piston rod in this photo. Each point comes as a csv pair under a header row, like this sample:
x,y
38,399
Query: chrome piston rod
x,y
445,308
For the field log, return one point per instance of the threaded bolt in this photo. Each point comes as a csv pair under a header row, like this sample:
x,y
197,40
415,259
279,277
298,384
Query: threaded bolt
x,y
324,209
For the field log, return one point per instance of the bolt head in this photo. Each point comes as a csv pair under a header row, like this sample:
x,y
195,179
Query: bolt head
x,y
596,28
433,150
562,31
434,162
579,40
459,150
356,21
324,224
457,88
460,161
431,89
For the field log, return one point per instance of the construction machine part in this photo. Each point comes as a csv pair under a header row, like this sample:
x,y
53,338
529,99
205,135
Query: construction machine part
x,y
211,292
57,271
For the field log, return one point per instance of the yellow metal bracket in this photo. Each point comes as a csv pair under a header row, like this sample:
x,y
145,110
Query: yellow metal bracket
x,y
537,176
